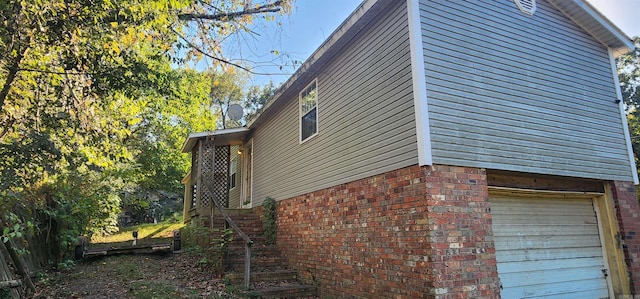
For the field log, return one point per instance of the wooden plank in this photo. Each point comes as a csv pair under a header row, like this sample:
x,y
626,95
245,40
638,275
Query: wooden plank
x,y
10,283
509,179
155,248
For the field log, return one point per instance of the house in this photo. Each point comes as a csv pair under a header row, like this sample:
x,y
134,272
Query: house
x,y
444,149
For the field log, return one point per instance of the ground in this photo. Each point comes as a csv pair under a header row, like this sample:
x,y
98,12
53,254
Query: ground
x,y
181,274
187,273
171,275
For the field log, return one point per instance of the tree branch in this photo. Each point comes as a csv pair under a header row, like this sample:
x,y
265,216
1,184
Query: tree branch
x,y
209,55
272,7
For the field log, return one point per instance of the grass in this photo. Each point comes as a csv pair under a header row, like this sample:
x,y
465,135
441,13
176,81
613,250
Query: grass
x,y
145,231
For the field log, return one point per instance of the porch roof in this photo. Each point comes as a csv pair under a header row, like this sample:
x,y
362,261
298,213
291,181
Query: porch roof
x,y
233,136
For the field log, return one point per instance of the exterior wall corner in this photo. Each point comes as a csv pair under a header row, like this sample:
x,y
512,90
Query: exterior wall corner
x,y
628,216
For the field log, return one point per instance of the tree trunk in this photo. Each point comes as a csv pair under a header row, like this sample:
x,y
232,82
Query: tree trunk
x,y
13,72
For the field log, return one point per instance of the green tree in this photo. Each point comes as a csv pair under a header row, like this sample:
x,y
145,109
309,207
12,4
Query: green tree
x,y
629,76
256,98
92,103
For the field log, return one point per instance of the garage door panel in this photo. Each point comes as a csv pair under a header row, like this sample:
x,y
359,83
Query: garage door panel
x,y
568,208
548,247
556,253
543,219
551,264
542,242
565,289
546,229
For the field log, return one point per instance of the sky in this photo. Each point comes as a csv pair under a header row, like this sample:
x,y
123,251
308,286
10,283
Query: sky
x,y
312,21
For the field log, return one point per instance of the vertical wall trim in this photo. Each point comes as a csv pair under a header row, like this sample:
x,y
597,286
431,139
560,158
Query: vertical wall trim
x,y
623,116
423,131
603,245
250,173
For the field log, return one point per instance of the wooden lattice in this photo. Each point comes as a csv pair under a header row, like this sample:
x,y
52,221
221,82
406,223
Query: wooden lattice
x,y
207,165
220,181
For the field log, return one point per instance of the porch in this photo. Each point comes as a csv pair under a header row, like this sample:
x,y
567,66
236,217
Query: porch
x,y
220,174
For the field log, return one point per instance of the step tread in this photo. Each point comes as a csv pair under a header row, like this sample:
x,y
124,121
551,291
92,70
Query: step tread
x,y
281,291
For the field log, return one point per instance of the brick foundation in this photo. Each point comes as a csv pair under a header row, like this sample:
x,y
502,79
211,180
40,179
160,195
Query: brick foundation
x,y
417,232
628,215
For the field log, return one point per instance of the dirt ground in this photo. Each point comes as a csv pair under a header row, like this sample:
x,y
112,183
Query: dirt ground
x,y
172,275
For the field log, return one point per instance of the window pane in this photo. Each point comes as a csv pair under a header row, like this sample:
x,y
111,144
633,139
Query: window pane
x,y
309,124
308,99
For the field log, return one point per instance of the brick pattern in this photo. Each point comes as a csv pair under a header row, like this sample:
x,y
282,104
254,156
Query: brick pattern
x,y
417,232
628,215
461,233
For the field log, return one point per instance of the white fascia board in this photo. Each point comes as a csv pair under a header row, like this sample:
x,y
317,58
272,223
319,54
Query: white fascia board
x,y
193,137
626,42
418,75
191,140
623,116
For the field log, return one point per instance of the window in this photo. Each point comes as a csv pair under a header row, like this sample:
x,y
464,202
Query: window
x,y
232,172
309,111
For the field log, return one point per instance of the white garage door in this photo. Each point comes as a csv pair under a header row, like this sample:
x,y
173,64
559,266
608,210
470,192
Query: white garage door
x,y
548,247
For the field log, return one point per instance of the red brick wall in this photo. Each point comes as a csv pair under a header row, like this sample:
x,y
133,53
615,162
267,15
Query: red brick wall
x,y
417,232
628,214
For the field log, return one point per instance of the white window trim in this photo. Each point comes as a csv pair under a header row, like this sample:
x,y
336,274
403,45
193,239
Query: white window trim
x,y
300,112
232,171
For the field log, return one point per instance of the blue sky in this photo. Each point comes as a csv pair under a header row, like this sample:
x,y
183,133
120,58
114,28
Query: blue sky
x,y
312,21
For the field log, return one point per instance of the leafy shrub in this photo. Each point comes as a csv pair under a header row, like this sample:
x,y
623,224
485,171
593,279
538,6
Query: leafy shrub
x,y
269,220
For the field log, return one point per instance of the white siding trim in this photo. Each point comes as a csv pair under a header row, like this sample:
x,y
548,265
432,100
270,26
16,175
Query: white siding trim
x,y
623,116
603,245
423,132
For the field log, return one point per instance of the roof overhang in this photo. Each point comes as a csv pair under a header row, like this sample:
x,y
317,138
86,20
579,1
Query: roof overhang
x,y
233,136
596,24
581,12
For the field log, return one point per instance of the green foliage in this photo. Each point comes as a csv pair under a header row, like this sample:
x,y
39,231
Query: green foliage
x,y
5,293
256,98
92,105
211,244
269,224
66,265
629,76
219,248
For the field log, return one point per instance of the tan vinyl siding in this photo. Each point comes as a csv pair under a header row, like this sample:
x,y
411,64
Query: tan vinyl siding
x,y
521,93
365,117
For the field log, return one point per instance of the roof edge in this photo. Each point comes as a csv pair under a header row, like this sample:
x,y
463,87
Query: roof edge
x,y
604,21
624,43
193,137
340,32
